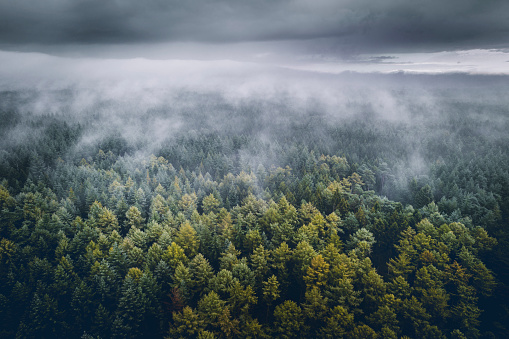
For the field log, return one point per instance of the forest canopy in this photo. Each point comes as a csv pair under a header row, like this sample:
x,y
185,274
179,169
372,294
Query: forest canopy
x,y
207,216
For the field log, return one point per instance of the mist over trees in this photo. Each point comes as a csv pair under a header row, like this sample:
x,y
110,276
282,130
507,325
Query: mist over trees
x,y
371,206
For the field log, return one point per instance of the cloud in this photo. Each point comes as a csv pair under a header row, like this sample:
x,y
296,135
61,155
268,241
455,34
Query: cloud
x,y
478,61
139,87
148,102
312,76
347,24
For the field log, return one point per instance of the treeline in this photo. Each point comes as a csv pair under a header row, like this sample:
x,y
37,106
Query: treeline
x,y
451,160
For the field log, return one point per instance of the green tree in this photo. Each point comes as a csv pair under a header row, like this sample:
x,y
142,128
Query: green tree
x,y
315,308
174,255
210,308
302,256
186,324
210,204
131,307
317,273
363,331
361,243
201,272
337,324
183,281
259,263
424,196
288,320
361,217
108,221
241,298
133,218
188,240
384,317
270,292
229,327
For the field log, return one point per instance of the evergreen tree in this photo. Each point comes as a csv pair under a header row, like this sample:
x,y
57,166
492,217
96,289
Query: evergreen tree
x,y
288,320
188,240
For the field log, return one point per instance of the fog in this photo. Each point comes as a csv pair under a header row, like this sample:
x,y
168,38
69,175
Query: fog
x,y
147,145
150,103
261,69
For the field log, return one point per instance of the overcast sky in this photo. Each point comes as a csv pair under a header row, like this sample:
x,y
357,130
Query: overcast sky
x,y
256,30
358,24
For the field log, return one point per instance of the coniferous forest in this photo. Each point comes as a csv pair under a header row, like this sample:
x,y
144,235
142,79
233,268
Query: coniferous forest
x,y
204,216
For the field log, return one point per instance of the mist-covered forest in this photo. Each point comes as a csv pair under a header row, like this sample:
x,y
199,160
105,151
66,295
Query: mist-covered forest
x,y
352,206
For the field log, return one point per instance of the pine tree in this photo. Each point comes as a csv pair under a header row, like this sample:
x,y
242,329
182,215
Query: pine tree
x,y
243,274
314,308
423,197
270,292
134,218
241,298
186,324
288,320
201,272
361,217
259,263
337,324
210,204
210,308
343,207
188,240
182,280
229,327
317,273
221,283
107,221
174,255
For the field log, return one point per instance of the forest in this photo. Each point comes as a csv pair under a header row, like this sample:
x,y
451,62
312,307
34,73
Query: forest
x,y
207,216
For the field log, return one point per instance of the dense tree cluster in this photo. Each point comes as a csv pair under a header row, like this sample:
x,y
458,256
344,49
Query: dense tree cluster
x,y
155,251
207,238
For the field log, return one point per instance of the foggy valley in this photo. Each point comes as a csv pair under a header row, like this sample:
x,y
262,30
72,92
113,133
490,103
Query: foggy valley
x,y
228,170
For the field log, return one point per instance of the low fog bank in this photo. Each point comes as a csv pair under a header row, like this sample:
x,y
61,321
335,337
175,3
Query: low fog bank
x,y
139,107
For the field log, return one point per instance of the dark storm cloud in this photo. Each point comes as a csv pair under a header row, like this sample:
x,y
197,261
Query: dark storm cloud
x,y
359,23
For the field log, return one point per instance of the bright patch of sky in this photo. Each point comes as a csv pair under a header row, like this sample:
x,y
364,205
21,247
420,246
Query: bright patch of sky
x,y
477,61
